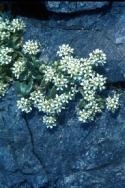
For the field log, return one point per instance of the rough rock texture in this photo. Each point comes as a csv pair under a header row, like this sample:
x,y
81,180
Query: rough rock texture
x,y
66,6
19,164
72,155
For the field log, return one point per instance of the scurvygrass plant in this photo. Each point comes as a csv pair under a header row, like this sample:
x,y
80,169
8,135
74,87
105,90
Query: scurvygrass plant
x,y
51,86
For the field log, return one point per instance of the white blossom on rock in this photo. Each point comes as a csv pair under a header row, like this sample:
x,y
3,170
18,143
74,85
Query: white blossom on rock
x,y
112,102
89,111
4,24
3,88
72,66
64,50
50,87
50,121
24,105
17,25
18,68
5,55
31,47
49,73
4,35
60,81
53,105
37,99
97,57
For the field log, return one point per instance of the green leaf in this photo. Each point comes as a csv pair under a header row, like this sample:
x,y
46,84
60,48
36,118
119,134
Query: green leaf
x,y
24,88
81,103
53,92
81,91
25,75
37,77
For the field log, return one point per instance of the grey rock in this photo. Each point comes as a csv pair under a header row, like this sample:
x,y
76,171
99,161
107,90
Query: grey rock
x,y
18,163
84,33
120,31
82,155
67,7
73,155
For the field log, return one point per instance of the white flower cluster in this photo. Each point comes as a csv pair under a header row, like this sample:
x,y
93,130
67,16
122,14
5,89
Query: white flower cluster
x,y
4,24
81,70
89,112
49,73
64,50
87,67
5,55
31,47
72,66
60,82
51,106
37,99
7,26
18,68
4,35
24,105
17,25
49,121
80,73
112,103
97,57
3,88
92,84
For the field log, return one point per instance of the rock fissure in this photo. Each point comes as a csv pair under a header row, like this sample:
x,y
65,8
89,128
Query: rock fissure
x,y
33,145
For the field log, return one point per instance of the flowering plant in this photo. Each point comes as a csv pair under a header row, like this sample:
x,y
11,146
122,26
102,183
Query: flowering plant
x,y
50,87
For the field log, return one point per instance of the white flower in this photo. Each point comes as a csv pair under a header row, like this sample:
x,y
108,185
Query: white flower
x,y
97,57
4,24
98,81
87,70
17,25
72,66
37,98
31,47
3,88
112,103
64,50
4,29
18,68
91,85
5,55
49,73
85,115
60,82
24,105
4,35
53,105
89,112
50,121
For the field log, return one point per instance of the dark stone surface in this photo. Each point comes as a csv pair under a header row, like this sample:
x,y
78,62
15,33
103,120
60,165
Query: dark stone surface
x,y
72,155
19,165
67,7
85,33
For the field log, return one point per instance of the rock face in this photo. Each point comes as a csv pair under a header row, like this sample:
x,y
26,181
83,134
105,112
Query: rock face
x,y
72,155
67,7
19,165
